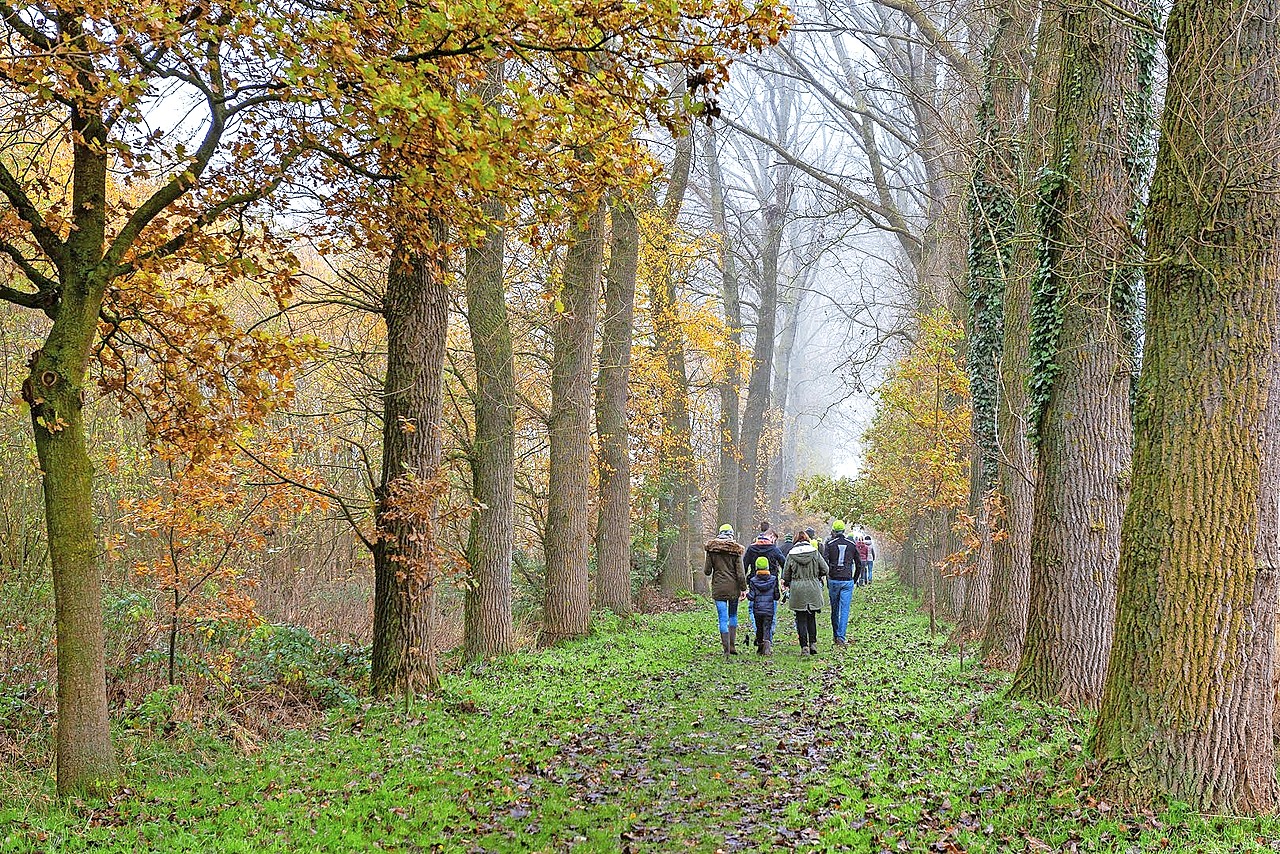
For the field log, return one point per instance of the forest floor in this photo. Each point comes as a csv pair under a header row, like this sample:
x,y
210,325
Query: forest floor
x,y
644,738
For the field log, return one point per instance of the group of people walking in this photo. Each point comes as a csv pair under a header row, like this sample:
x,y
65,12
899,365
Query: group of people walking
x,y
794,573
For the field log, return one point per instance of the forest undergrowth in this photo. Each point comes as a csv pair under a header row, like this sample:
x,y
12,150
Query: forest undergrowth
x,y
643,738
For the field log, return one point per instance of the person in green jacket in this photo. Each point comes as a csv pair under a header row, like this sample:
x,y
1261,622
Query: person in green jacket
x,y
804,575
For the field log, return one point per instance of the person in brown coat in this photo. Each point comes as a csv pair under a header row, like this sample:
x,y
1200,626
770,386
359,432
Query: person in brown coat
x,y
728,584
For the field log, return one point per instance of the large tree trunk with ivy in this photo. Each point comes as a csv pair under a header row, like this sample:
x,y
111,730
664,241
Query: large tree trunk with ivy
x,y
992,231
567,603
406,565
1187,707
1083,316
675,460
727,494
488,623
754,471
613,528
1015,150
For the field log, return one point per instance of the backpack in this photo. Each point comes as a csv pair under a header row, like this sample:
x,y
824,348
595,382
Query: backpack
x,y
843,557
861,545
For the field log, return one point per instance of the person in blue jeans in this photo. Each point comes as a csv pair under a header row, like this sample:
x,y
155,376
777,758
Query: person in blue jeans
x,y
846,567
723,566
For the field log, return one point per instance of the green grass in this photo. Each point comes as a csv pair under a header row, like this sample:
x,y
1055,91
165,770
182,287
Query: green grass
x,y
643,738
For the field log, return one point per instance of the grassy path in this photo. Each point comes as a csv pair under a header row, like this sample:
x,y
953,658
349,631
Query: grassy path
x,y
644,738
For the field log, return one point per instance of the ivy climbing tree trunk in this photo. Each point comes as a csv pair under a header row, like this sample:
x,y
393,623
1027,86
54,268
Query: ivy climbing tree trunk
x,y
1187,707
567,604
488,622
730,456
406,566
613,528
1016,150
1084,311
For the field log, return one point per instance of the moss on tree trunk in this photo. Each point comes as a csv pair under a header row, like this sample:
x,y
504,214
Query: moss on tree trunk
x,y
1186,710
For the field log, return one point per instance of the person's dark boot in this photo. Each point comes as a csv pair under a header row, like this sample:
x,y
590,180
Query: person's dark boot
x,y
733,640
767,649
724,643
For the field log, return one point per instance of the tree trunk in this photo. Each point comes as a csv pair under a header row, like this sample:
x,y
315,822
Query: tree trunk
x,y
977,591
613,529
1084,308
753,475
993,226
675,536
55,392
405,562
567,608
1186,711
780,470
488,623
85,758
730,456
1023,140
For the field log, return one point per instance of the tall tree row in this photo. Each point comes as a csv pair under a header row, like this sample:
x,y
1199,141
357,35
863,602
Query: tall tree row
x,y
1083,345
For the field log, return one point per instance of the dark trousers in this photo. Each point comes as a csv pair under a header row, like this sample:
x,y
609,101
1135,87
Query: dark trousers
x,y
807,627
764,629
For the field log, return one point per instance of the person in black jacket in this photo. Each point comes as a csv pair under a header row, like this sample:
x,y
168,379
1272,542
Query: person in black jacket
x,y
762,590
846,569
765,547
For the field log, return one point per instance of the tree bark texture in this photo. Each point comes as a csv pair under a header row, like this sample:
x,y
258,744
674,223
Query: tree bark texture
x,y
567,606
488,622
1084,306
406,566
676,538
85,757
780,469
730,455
613,528
1024,137
977,591
488,628
55,391
753,475
1187,707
